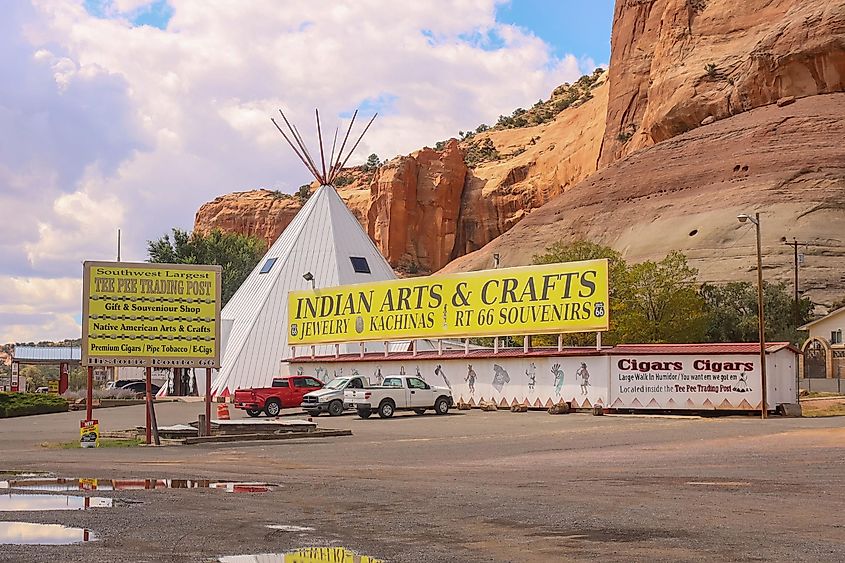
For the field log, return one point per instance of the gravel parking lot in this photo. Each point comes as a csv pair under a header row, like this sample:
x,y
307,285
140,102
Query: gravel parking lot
x,y
469,486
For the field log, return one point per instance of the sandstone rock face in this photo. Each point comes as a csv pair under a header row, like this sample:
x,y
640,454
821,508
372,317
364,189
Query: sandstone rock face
x,y
539,163
684,194
414,206
260,213
675,62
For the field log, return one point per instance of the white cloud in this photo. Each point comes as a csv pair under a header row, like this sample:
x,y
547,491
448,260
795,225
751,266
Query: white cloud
x,y
135,127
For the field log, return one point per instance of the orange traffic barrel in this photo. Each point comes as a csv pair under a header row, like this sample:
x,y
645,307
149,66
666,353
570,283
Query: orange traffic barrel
x,y
222,411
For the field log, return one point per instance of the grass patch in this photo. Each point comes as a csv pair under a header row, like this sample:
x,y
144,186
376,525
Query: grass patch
x,y
23,404
104,443
816,394
811,411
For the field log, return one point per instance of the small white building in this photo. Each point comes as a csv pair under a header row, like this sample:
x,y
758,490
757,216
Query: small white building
x,y
823,354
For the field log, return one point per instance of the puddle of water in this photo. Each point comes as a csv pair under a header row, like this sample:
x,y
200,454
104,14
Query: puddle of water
x,y
26,533
288,528
17,503
307,554
60,485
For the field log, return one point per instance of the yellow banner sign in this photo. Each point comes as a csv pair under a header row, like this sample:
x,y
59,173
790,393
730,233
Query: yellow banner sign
x,y
548,299
89,433
151,315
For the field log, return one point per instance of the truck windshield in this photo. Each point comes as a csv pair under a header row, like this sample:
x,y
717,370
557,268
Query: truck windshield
x,y
338,383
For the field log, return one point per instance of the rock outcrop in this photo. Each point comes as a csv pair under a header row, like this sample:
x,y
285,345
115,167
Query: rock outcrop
x,y
425,209
414,206
684,194
676,62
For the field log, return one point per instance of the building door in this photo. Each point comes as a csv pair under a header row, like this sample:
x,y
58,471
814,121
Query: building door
x,y
815,361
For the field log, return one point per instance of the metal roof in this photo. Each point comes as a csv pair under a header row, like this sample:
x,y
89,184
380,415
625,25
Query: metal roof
x,y
320,239
47,354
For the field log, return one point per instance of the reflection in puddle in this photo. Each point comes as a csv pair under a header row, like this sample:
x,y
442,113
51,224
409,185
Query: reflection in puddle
x,y
305,555
15,502
132,484
25,533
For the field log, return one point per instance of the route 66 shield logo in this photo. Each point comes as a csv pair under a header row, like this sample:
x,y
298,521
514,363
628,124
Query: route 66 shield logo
x,y
599,309
293,330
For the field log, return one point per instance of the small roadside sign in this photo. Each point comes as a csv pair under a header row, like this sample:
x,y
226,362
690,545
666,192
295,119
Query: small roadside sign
x,y
89,433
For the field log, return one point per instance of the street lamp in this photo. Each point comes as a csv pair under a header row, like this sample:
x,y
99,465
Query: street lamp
x,y
761,322
309,277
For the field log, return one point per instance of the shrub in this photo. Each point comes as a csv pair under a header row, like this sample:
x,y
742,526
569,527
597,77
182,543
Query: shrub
x,y
23,404
711,70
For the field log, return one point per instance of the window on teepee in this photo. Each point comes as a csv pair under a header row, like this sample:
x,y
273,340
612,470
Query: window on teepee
x,y
360,265
267,265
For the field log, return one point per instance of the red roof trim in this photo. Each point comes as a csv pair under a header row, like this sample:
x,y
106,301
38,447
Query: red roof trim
x,y
653,349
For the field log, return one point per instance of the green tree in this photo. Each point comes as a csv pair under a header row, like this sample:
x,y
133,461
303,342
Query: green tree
x,y
649,302
584,250
303,193
661,303
373,163
732,312
237,254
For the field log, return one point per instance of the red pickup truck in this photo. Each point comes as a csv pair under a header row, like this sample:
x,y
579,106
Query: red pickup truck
x,y
286,392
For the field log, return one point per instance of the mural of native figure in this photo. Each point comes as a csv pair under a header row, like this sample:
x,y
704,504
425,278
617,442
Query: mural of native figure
x,y
500,377
470,378
557,371
321,373
531,374
741,386
419,374
378,376
439,371
583,376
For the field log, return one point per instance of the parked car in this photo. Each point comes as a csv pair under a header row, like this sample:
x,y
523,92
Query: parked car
x,y
330,398
286,392
400,392
140,388
121,382
42,390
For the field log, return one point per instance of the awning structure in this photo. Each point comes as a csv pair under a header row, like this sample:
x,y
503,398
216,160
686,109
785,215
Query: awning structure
x,y
47,355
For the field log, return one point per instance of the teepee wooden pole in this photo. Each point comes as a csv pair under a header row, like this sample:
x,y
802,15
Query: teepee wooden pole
x,y
320,140
336,168
292,146
331,158
355,146
309,163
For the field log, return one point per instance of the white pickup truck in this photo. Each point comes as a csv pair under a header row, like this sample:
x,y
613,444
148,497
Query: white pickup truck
x,y
399,392
330,398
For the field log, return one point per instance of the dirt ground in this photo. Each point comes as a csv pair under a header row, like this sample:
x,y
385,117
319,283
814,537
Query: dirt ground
x,y
470,486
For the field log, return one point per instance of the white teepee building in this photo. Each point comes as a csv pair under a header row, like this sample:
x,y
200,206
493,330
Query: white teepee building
x,y
324,240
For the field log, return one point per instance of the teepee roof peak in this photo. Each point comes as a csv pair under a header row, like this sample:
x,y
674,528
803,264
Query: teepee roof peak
x,y
325,176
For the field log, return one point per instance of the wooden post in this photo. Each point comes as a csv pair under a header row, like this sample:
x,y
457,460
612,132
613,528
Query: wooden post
x,y
385,348
149,400
202,425
598,341
337,350
89,396
466,346
361,353
560,343
207,425
313,351
414,347
526,343
154,422
439,347
496,345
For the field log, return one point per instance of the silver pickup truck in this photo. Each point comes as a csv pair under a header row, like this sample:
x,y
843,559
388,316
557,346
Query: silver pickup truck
x,y
399,392
330,398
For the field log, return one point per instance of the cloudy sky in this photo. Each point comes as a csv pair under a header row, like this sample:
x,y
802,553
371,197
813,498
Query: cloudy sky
x,y
131,113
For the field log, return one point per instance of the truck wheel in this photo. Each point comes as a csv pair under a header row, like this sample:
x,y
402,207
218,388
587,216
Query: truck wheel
x,y
336,407
419,411
441,405
313,413
272,408
364,413
253,412
386,409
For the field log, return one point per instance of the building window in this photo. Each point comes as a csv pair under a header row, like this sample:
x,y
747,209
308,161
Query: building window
x,y
836,336
360,265
267,265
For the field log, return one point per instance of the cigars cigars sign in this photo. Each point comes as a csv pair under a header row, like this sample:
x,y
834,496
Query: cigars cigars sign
x,y
669,382
548,299
151,315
